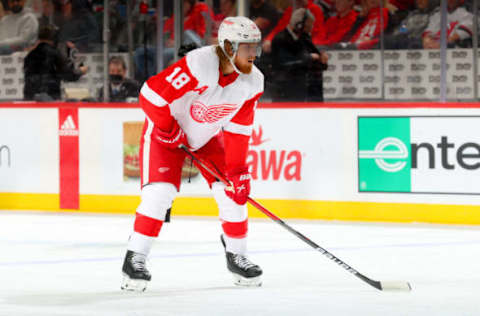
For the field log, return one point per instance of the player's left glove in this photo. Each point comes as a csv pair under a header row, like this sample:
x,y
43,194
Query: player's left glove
x,y
239,188
172,139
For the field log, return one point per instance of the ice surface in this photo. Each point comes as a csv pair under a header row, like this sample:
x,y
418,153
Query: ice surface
x,y
69,264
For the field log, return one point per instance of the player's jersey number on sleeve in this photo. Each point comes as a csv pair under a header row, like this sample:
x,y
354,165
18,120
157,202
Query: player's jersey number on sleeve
x,y
178,80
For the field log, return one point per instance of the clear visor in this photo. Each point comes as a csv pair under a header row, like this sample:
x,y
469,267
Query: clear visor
x,y
246,50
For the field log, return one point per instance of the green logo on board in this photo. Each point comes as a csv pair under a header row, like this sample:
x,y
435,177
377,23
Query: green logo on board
x,y
384,154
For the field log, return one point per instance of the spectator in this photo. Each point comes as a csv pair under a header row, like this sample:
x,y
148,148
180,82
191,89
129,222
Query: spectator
x,y
376,21
264,14
19,29
45,67
459,27
118,26
227,8
194,27
408,35
80,27
297,63
121,88
51,13
194,14
318,31
47,11
339,25
328,6
2,10
144,38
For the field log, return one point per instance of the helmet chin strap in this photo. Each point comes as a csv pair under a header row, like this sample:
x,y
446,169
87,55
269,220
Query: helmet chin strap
x,y
232,60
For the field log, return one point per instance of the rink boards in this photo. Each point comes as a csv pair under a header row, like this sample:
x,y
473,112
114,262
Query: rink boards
x,y
369,162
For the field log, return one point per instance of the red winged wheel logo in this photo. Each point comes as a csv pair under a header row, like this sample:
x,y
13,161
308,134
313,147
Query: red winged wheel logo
x,y
211,113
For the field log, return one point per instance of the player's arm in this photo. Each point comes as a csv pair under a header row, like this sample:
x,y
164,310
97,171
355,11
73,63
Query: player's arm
x,y
159,92
236,135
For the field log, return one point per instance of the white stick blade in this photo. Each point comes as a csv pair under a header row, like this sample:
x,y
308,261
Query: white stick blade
x,y
396,286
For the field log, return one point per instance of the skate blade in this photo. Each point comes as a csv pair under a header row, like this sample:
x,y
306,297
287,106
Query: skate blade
x,y
247,282
135,285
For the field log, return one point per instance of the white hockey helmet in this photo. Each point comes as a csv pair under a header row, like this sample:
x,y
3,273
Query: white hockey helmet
x,y
239,29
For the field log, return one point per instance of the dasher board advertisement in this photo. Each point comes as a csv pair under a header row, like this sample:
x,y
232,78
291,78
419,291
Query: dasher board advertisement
x,y
283,164
419,154
29,150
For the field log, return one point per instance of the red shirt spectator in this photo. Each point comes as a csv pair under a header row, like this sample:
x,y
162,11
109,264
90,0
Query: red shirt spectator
x,y
193,18
227,8
367,34
340,24
318,32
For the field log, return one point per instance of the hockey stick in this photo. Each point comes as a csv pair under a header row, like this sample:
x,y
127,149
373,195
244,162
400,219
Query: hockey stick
x,y
380,285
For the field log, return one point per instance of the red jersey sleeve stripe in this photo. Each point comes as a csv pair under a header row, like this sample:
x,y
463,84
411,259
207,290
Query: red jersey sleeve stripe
x,y
246,113
152,97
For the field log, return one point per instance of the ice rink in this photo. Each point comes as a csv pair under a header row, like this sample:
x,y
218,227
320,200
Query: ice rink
x,y
70,264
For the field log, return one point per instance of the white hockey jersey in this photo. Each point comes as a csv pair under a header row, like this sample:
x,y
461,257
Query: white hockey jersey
x,y
459,21
194,92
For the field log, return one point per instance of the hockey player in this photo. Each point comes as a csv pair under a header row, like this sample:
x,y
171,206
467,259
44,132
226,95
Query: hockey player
x,y
205,101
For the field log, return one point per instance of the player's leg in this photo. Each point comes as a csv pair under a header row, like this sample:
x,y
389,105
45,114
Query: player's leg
x,y
157,198
160,175
234,220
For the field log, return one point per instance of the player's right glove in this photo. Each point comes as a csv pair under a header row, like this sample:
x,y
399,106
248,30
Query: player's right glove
x,y
239,189
172,139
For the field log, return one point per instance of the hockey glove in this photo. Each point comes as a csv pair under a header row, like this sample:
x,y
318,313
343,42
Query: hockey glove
x,y
239,188
172,139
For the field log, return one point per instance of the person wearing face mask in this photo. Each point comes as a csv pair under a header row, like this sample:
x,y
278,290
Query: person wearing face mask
x,y
19,29
121,87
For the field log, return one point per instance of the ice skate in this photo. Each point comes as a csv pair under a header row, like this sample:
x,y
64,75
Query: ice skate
x,y
135,274
245,273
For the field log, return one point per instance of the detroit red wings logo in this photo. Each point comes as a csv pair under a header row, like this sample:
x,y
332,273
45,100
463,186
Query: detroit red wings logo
x,y
210,113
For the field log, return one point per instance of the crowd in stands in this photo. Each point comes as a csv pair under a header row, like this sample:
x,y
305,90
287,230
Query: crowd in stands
x,y
296,33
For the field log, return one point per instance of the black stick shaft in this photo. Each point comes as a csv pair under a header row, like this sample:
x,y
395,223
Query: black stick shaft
x,y
326,253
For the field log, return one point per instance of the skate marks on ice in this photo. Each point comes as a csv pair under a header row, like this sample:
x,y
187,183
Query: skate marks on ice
x,y
189,270
87,298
